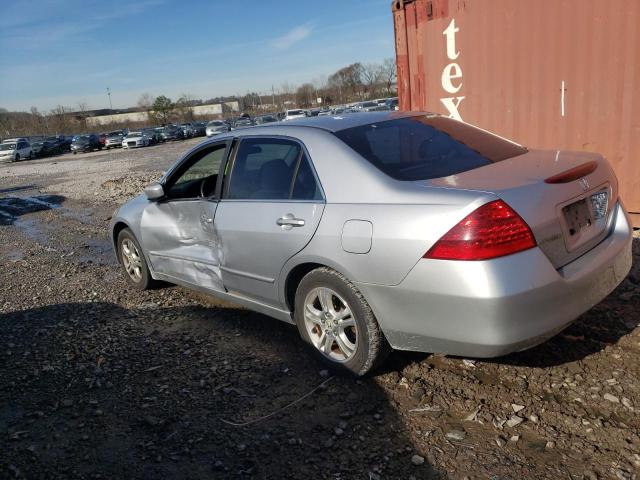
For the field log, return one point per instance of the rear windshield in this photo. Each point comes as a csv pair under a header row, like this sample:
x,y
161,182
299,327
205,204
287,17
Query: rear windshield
x,y
427,146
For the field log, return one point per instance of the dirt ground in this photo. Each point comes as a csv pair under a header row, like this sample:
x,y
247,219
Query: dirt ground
x,y
100,381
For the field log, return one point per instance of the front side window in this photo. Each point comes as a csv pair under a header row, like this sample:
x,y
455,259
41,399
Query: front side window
x,y
265,168
427,146
198,178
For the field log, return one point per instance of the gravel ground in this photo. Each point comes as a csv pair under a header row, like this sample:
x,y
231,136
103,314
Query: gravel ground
x,y
99,381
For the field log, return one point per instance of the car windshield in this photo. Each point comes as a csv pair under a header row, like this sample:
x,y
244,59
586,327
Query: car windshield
x,y
215,124
427,146
8,146
295,112
82,139
115,134
134,134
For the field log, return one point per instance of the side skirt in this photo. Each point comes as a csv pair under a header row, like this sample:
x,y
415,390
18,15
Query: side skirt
x,y
277,313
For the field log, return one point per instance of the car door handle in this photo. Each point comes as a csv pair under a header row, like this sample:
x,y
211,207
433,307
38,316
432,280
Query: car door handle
x,y
290,221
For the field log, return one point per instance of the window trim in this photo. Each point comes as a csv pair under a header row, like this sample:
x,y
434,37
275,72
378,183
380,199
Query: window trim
x,y
168,179
303,150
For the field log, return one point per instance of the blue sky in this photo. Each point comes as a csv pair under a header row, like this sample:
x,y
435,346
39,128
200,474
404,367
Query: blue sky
x,y
65,52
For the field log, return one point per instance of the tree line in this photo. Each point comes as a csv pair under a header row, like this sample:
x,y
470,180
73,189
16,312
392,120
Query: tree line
x,y
352,83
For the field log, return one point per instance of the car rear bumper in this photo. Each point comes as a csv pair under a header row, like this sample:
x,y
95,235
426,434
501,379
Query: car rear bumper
x,y
494,307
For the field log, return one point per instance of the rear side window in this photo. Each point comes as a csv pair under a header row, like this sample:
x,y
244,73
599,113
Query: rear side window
x,y
272,169
425,147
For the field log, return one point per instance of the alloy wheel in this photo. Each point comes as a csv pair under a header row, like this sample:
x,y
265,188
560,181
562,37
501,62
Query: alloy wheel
x,y
330,324
131,259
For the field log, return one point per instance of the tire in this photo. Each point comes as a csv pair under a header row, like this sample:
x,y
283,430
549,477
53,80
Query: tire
x,y
368,346
17,158
138,276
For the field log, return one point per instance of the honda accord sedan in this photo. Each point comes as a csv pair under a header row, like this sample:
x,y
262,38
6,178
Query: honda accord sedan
x,y
385,230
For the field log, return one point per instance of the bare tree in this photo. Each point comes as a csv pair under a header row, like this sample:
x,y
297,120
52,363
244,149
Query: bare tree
x,y
305,95
371,77
388,74
184,107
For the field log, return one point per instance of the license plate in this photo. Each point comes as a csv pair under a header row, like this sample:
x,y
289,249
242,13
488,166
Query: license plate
x,y
584,213
577,216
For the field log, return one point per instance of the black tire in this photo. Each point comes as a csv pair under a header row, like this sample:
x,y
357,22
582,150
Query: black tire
x,y
17,157
145,282
372,347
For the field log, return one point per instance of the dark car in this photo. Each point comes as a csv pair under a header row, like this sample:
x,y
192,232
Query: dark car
x,y
42,147
85,143
172,132
154,135
199,129
58,143
265,119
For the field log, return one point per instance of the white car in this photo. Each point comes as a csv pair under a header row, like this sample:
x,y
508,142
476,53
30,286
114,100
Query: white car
x,y
15,149
135,140
291,114
216,127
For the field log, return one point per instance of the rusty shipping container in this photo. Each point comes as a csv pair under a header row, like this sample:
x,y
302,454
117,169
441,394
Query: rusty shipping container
x,y
552,74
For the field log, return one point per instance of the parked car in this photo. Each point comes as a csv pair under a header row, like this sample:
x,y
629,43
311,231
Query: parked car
x,y
114,139
262,119
58,144
86,143
452,240
42,147
243,122
216,127
391,103
172,132
187,130
292,114
367,106
103,138
199,129
154,135
135,140
15,149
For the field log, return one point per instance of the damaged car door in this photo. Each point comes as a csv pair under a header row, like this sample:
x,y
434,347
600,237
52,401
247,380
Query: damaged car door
x,y
178,230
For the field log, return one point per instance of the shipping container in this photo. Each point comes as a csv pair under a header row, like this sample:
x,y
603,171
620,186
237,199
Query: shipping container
x,y
551,74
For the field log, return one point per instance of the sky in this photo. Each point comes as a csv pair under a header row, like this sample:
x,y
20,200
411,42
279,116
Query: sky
x,y
67,52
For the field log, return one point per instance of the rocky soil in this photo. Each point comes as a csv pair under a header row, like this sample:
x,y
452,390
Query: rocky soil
x,y
100,381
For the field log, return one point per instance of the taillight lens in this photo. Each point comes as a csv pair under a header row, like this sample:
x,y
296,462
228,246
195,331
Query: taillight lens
x,y
493,230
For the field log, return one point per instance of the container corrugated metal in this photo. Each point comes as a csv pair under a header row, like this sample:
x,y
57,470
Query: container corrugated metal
x,y
553,74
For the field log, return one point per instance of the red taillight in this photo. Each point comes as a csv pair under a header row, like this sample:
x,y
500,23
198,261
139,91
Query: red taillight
x,y
493,230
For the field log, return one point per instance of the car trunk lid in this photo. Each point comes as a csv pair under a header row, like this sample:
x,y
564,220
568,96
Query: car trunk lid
x,y
565,197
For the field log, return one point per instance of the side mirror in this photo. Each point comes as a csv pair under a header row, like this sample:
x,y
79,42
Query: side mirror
x,y
154,191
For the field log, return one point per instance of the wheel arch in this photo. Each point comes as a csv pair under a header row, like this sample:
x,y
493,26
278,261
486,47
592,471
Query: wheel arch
x,y
118,226
293,273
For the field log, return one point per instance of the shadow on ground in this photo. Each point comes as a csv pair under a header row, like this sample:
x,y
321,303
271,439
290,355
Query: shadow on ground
x,y
92,389
13,207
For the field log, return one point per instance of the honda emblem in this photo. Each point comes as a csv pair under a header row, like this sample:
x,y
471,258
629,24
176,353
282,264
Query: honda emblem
x,y
584,183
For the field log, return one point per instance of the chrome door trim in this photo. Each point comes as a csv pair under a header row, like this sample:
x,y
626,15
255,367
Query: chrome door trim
x,y
252,276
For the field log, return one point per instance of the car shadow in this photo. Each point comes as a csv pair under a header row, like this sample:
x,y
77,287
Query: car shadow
x,y
186,392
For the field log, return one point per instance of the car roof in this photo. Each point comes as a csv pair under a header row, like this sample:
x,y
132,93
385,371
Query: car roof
x,y
335,123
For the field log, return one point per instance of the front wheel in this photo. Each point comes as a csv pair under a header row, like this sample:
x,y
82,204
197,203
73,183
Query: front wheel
x,y
133,261
336,320
17,158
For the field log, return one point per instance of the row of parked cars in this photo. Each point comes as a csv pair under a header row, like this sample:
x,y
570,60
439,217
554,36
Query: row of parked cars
x,y
22,148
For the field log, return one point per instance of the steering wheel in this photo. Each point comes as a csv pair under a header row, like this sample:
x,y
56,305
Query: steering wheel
x,y
203,185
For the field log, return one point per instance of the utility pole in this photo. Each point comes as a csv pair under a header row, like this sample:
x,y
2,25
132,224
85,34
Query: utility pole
x,y
109,95
273,98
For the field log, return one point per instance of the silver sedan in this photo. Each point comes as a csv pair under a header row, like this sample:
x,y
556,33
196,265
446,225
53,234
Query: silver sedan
x,y
385,230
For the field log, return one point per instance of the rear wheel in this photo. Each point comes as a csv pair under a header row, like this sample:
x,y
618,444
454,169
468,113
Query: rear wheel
x,y
335,319
133,261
